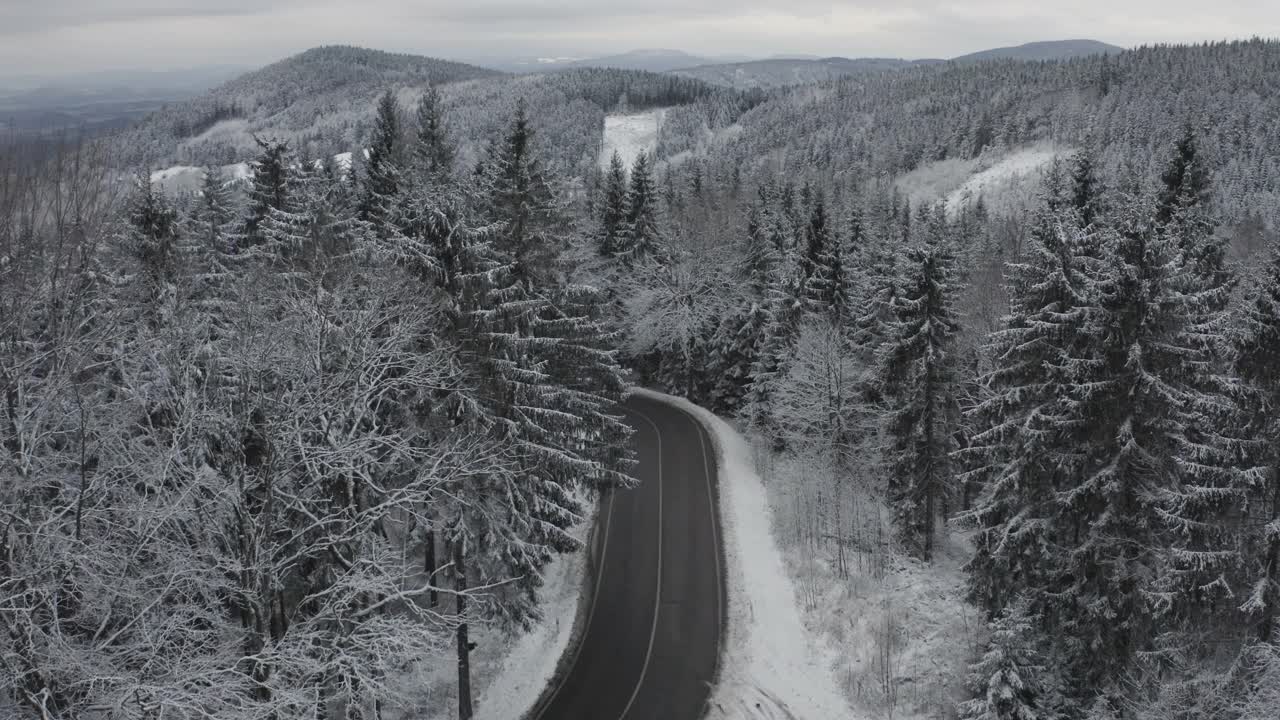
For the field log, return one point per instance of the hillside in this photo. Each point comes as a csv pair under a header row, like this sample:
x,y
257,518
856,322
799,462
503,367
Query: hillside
x,y
1129,106
769,74
781,72
309,96
1050,50
322,101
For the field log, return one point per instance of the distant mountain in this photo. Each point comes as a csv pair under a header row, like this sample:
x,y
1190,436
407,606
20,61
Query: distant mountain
x,y
1051,50
650,60
781,71
312,97
768,74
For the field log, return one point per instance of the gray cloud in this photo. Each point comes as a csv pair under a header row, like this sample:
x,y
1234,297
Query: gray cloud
x,y
19,17
72,35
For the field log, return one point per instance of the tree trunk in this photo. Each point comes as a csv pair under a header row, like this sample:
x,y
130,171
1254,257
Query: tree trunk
x,y
464,647
430,566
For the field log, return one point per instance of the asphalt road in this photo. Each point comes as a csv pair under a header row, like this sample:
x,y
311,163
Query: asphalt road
x,y
653,627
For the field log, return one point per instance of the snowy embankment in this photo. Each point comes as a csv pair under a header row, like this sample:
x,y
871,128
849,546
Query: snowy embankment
x,y
511,669
771,666
531,662
629,135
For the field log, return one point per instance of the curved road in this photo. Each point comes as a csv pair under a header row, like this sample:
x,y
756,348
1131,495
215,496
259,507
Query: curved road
x,y
652,637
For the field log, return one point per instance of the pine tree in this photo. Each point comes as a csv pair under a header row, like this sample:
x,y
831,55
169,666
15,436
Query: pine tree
x,y
153,238
641,237
1012,679
269,191
518,195
382,172
613,209
212,215
1257,360
822,266
432,151
916,369
1026,441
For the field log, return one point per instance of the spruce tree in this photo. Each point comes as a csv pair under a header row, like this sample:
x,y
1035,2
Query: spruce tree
x,y
641,237
1012,679
1257,360
382,171
1026,438
613,209
153,239
916,370
432,151
269,190
822,266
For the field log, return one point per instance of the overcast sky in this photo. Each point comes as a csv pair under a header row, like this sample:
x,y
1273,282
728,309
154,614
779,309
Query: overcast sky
x,y
40,36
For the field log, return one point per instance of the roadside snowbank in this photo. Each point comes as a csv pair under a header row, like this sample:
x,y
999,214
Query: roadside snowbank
x,y
509,671
771,666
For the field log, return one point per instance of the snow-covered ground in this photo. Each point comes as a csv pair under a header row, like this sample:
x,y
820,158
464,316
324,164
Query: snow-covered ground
x,y
630,135
509,670
1004,180
772,667
904,633
1011,180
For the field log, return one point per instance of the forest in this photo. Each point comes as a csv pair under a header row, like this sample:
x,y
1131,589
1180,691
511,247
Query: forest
x,y
269,443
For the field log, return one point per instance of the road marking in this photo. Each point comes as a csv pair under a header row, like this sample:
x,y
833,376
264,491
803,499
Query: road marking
x,y
657,600
715,540
591,613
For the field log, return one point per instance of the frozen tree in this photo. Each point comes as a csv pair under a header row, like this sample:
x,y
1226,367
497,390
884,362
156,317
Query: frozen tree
x,y
640,236
613,209
1013,678
269,189
433,150
381,179
917,373
1257,360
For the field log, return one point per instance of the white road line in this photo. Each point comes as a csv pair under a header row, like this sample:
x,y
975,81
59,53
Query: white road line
x,y
591,613
715,538
657,601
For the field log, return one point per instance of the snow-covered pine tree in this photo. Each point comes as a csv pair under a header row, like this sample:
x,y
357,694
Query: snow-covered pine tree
x,y
641,237
1156,466
312,229
740,337
381,180
822,265
613,209
517,193
212,213
1025,438
433,152
1013,680
1257,360
153,234
916,372
269,189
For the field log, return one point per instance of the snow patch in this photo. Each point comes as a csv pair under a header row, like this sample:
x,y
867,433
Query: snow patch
x,y
771,666
1007,181
1004,181
630,135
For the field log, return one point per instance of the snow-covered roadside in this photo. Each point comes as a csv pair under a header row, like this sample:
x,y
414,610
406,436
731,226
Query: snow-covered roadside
x,y
532,662
510,671
771,665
